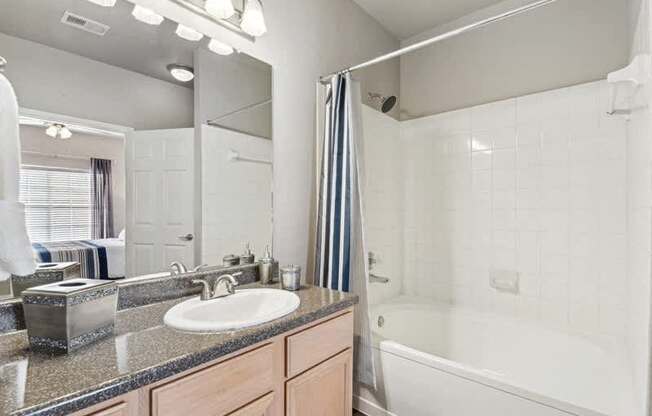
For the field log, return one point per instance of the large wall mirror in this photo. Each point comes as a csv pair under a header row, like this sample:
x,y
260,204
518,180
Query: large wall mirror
x,y
141,145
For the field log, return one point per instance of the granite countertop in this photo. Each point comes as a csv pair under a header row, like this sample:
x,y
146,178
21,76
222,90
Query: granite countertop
x,y
142,351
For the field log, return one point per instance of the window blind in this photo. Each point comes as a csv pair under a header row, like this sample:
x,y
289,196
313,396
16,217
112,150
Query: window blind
x,y
57,203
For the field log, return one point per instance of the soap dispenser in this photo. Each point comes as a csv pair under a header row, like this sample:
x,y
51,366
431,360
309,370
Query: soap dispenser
x,y
266,267
247,257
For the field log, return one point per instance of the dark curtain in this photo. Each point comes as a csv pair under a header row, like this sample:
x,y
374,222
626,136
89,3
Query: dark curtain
x,y
102,199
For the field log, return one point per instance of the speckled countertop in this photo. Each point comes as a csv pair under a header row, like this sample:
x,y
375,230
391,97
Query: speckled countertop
x,y
142,351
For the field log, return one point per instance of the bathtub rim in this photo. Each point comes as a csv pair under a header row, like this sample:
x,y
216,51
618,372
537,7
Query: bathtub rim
x,y
484,377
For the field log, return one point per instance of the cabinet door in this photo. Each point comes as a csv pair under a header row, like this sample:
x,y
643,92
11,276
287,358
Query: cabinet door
x,y
257,407
325,390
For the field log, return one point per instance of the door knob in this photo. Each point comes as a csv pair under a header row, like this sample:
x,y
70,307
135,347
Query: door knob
x,y
187,237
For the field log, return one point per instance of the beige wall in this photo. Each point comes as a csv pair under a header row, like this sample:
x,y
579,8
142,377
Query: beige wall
x,y
563,44
76,152
59,82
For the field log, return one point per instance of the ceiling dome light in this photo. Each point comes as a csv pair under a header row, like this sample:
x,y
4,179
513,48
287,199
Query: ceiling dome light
x,y
253,21
222,9
146,15
220,48
188,33
181,73
104,3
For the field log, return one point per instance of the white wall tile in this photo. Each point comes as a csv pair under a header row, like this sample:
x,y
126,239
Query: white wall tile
x,y
535,185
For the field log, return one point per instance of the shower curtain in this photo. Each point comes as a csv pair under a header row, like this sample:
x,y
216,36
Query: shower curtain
x,y
340,262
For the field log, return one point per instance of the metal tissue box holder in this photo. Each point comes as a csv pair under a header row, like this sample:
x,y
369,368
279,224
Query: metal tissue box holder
x,y
65,316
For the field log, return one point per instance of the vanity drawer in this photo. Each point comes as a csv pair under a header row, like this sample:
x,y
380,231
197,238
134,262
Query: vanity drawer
x,y
318,343
121,409
220,389
256,408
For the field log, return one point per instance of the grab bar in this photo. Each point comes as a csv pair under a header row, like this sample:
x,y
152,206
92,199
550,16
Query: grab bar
x,y
378,279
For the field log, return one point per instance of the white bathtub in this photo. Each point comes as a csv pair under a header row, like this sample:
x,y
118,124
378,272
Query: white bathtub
x,y
435,360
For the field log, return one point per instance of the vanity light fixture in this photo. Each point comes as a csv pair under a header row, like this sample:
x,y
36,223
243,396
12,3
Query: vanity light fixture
x,y
181,73
188,33
221,9
58,131
104,3
146,15
253,21
220,48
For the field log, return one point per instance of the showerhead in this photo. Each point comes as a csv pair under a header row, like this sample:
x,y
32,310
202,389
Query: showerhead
x,y
384,104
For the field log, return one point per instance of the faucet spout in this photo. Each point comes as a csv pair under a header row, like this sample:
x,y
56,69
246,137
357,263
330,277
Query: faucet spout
x,y
225,285
178,267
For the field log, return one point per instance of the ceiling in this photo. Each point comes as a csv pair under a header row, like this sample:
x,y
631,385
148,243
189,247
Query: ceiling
x,y
129,44
407,18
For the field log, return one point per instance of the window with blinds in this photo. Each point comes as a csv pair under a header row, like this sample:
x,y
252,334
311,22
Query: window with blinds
x,y
57,203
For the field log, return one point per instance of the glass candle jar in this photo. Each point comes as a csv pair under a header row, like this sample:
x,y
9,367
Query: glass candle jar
x,y
291,277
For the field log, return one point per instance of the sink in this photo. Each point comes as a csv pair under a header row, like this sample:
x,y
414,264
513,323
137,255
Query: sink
x,y
247,307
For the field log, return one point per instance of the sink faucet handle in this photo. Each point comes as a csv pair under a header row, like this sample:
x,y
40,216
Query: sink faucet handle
x,y
205,291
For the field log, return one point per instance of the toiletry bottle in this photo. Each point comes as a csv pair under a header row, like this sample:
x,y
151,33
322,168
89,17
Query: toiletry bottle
x,y
247,257
266,268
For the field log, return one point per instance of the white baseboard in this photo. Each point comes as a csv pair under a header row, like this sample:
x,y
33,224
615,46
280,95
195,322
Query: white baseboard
x,y
368,408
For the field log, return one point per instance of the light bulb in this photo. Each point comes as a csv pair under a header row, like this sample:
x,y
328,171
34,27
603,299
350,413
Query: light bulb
x,y
104,3
65,133
222,9
220,48
253,21
52,130
146,15
188,33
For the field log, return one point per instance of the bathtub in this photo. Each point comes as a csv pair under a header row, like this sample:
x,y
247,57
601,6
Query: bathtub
x,y
438,360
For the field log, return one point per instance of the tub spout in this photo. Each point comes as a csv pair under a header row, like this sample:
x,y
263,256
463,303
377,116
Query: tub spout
x,y
378,279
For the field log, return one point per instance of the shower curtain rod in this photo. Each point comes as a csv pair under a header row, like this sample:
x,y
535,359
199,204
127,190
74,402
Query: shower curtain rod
x,y
455,32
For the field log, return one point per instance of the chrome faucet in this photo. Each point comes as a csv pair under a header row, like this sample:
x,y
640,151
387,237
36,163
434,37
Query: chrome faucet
x,y
178,267
224,286
374,278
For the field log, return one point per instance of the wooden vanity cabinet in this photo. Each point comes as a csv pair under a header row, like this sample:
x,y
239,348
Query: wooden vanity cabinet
x,y
325,390
304,372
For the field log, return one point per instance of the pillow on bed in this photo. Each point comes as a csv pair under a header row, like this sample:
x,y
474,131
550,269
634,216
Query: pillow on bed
x,y
121,236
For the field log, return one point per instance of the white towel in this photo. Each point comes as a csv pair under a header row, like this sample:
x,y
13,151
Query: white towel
x,y
16,255
15,249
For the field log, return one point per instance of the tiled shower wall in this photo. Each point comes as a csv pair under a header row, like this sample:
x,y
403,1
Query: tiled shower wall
x,y
383,201
639,187
547,185
535,185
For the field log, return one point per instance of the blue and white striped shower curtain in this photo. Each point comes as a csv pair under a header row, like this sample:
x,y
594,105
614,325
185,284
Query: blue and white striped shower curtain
x,y
341,254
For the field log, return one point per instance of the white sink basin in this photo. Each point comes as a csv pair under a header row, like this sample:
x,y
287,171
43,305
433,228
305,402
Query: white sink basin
x,y
245,308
